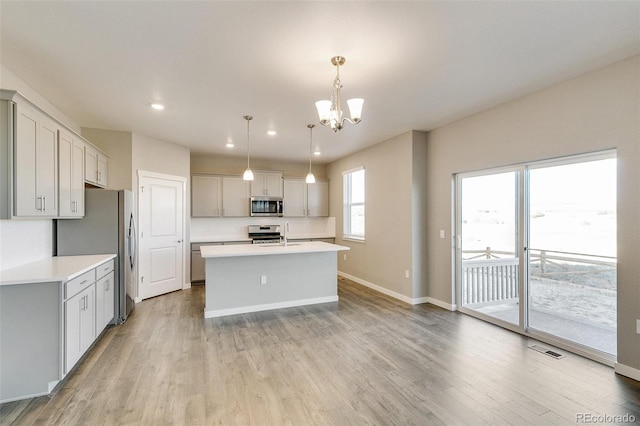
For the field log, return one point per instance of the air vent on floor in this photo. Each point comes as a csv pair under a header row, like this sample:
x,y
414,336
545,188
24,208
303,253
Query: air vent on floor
x,y
546,351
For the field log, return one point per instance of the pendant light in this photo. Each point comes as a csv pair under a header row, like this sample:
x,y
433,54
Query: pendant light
x,y
310,177
248,174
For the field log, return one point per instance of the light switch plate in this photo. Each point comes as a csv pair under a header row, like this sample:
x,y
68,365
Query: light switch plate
x,y
442,233
263,279
638,326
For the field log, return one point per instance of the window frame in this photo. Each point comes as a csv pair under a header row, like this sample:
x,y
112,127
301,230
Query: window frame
x,y
348,204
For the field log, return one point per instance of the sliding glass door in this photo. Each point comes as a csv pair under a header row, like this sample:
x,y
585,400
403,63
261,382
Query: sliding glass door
x,y
536,249
572,252
488,245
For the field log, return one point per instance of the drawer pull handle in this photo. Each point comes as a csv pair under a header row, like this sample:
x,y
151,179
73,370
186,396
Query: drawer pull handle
x,y
83,282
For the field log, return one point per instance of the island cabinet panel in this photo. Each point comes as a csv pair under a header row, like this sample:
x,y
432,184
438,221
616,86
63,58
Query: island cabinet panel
x,y
235,197
206,191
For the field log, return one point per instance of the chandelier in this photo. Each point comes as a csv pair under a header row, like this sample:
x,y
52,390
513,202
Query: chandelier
x,y
330,112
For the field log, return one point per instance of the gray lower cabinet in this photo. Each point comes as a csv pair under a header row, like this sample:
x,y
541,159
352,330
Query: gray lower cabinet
x,y
79,320
198,263
46,328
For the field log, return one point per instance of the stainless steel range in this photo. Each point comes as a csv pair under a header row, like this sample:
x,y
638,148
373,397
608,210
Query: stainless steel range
x,y
264,234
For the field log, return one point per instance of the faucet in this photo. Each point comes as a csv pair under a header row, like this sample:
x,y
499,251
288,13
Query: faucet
x,y
286,231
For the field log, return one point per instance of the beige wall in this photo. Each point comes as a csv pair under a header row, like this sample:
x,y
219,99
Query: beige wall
x,y
118,146
389,222
154,155
593,112
217,164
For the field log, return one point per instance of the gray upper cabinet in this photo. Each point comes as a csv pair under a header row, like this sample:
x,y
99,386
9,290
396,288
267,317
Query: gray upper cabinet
x,y
306,199
266,184
70,175
42,162
206,194
95,166
235,197
30,181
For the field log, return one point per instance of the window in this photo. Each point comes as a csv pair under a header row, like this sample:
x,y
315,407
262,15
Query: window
x,y
353,189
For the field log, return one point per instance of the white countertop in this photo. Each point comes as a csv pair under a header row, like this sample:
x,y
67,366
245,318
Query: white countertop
x,y
268,249
223,239
59,268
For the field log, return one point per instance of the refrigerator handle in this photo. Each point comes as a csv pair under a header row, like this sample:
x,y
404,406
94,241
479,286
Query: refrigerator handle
x,y
132,241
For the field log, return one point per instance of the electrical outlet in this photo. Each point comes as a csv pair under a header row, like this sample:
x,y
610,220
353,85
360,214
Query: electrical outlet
x,y
638,326
263,279
344,257
406,273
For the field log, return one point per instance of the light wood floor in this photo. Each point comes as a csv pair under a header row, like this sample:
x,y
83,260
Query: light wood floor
x,y
367,359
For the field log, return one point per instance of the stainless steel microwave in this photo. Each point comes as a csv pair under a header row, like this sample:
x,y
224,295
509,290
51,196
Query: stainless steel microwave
x,y
266,206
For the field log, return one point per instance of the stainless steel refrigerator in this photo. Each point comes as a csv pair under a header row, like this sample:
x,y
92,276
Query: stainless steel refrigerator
x,y
108,226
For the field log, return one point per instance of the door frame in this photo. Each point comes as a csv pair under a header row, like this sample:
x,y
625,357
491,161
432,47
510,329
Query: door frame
x,y
180,179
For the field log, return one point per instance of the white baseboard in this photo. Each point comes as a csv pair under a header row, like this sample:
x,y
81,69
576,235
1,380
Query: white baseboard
x,y
443,305
214,313
401,297
378,288
625,370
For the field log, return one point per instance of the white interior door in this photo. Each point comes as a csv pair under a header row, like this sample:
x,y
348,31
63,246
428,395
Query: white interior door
x,y
161,235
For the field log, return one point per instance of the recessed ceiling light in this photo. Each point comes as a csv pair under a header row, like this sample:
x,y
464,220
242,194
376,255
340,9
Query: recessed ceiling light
x,y
317,153
271,132
157,106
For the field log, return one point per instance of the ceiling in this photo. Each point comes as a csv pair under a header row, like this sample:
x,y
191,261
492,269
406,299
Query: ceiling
x,y
418,65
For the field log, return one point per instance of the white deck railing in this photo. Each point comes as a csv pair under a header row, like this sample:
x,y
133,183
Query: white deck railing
x,y
489,280
488,277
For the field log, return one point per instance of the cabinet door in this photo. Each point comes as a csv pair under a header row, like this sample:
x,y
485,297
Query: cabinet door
x,y
47,167
70,176
258,184
205,196
273,184
102,168
318,199
294,198
77,181
105,302
36,164
79,325
90,164
235,197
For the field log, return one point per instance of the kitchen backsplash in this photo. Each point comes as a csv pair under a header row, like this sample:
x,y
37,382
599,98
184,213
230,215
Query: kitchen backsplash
x,y
236,228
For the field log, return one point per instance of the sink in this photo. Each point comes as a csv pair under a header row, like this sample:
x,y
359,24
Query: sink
x,y
279,245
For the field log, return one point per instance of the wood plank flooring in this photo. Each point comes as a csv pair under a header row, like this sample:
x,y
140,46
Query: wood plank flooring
x,y
368,359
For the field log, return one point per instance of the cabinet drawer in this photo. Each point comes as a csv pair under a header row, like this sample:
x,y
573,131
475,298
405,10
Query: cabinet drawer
x,y
105,268
77,284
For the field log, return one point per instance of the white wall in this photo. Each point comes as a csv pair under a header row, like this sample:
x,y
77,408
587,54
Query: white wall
x,y
596,111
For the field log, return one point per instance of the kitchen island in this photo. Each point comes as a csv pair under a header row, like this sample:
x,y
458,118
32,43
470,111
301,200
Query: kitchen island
x,y
260,277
